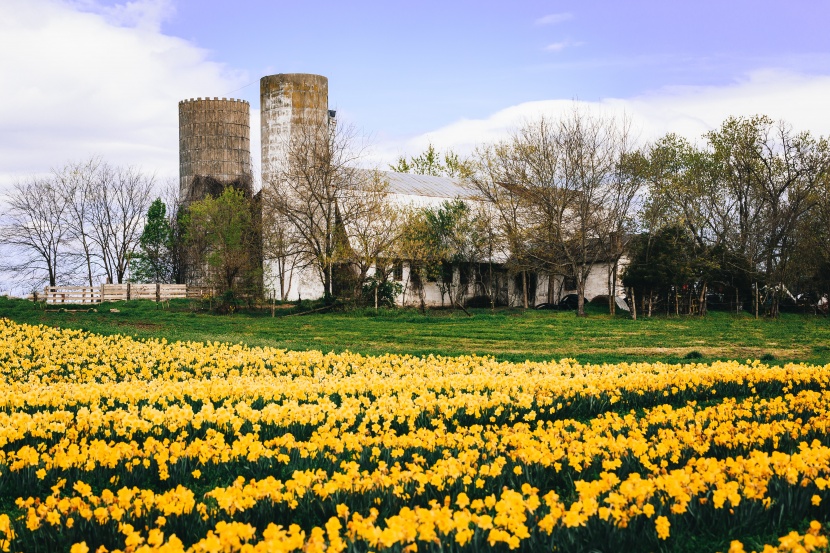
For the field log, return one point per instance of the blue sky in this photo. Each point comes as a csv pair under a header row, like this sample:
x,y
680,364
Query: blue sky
x,y
102,77
404,67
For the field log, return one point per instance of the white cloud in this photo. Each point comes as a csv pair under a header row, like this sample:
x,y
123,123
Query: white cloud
x,y
554,18
561,45
690,111
145,14
79,79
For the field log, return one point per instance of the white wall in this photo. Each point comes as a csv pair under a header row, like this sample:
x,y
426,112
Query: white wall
x,y
596,285
304,283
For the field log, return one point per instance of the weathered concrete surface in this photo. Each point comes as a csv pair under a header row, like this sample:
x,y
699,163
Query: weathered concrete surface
x,y
287,102
290,105
214,147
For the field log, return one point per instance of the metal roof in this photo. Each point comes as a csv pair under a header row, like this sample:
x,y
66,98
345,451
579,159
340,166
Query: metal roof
x,y
427,185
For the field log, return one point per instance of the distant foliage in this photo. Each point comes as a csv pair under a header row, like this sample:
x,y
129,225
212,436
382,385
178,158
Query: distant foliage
x,y
222,238
432,162
154,260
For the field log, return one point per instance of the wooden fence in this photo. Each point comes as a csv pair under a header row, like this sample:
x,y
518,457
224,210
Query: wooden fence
x,y
71,294
121,292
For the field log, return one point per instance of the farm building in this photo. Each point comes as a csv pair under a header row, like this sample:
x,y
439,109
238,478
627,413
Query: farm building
x,y
215,153
489,277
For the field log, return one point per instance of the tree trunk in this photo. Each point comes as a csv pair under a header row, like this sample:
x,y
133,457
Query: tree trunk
x,y
281,273
633,305
703,300
88,265
580,298
524,288
610,295
756,299
458,305
775,304
492,290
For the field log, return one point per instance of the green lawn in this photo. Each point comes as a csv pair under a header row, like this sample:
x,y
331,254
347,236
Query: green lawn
x,y
509,334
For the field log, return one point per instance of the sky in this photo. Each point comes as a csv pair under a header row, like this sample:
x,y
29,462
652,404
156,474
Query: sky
x,y
81,78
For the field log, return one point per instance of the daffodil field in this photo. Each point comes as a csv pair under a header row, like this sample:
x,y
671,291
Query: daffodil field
x,y
114,444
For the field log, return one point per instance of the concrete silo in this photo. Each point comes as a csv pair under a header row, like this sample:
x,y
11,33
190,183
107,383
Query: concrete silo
x,y
214,147
294,109
290,103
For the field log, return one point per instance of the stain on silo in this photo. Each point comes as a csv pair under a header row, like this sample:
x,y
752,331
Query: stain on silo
x,y
288,101
214,147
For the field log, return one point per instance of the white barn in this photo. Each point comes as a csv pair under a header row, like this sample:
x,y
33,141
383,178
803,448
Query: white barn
x,y
413,190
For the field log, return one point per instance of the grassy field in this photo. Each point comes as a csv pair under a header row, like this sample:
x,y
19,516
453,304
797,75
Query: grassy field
x,y
510,334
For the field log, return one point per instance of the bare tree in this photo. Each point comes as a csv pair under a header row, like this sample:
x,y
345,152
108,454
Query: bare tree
x,y
171,197
77,182
120,200
495,168
280,248
622,209
590,197
315,194
564,176
34,228
373,230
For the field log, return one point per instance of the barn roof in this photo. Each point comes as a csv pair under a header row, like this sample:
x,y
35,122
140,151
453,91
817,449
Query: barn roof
x,y
427,185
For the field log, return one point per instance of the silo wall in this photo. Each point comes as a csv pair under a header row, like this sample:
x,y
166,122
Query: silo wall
x,y
288,102
214,147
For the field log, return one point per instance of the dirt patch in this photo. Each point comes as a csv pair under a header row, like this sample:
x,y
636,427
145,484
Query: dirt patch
x,y
740,353
142,326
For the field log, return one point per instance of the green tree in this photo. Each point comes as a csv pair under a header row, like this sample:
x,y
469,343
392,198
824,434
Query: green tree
x,y
671,266
442,241
432,162
749,192
154,260
221,232
660,265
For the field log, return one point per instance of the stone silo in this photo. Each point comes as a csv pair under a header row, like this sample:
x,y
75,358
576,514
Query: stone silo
x,y
289,103
214,147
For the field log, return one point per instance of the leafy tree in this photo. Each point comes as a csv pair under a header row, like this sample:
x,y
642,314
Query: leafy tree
x,y
154,260
659,265
670,265
747,192
221,232
439,241
429,162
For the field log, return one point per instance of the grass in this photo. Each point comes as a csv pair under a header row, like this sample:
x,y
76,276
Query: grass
x,y
507,334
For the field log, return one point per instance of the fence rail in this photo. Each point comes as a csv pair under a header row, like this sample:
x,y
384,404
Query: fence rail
x,y
121,292
72,294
